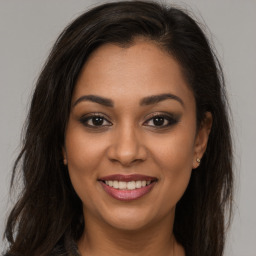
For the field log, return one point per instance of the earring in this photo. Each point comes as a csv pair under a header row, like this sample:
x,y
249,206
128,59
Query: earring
x,y
198,160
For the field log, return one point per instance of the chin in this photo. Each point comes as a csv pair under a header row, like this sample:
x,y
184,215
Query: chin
x,y
129,224
130,219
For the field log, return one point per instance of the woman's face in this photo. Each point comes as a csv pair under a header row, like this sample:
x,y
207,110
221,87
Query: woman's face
x,y
131,139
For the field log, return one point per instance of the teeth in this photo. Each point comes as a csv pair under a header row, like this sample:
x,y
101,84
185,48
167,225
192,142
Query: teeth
x,y
130,185
115,184
122,185
138,184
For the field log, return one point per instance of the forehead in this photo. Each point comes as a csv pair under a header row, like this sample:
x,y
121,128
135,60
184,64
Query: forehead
x,y
131,73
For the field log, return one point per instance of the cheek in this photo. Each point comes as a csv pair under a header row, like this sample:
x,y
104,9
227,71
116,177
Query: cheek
x,y
174,158
174,152
83,154
83,151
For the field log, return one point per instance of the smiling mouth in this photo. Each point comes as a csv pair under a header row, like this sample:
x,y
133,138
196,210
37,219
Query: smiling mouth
x,y
131,185
127,187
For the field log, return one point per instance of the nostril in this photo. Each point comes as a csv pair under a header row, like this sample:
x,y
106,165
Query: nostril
x,y
127,153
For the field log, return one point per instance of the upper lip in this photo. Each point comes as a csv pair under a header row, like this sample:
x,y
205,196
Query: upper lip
x,y
127,178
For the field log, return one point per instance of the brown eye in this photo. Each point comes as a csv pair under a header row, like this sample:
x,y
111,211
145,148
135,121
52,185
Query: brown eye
x,y
95,121
158,121
161,121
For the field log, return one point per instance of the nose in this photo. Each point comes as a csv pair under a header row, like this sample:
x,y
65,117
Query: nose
x,y
127,147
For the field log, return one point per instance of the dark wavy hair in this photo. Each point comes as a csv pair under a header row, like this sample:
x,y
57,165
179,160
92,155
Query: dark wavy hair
x,y
48,214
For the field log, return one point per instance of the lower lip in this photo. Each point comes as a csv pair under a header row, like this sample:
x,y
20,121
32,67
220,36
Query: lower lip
x,y
127,195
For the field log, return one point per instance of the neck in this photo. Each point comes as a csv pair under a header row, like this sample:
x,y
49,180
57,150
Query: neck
x,y
99,238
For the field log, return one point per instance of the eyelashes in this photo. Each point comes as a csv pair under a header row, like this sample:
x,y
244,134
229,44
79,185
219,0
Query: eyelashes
x,y
160,120
154,120
95,120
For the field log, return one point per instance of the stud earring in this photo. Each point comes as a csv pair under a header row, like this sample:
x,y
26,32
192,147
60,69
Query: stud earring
x,y
198,160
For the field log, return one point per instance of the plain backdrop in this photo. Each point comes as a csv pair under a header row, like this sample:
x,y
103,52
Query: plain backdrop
x,y
28,29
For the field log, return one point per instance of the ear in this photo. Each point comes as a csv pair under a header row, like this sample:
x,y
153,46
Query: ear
x,y
201,139
64,154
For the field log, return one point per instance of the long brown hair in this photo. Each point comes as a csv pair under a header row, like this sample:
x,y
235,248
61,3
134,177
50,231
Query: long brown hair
x,y
48,214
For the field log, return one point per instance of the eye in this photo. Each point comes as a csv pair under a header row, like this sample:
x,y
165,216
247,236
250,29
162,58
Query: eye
x,y
161,121
95,121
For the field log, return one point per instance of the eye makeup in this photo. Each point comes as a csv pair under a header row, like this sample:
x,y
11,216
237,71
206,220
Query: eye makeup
x,y
160,120
95,120
156,120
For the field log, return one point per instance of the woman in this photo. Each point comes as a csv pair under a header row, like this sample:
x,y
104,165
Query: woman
x,y
127,148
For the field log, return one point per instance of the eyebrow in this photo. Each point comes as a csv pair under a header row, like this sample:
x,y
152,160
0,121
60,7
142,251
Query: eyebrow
x,y
149,100
158,98
97,99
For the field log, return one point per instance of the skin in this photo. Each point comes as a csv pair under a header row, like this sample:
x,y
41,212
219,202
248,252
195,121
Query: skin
x,y
129,142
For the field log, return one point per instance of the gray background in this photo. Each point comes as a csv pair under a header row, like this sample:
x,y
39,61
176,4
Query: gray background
x,y
28,29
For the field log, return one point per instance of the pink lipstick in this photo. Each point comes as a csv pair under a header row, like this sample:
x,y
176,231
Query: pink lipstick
x,y
127,187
